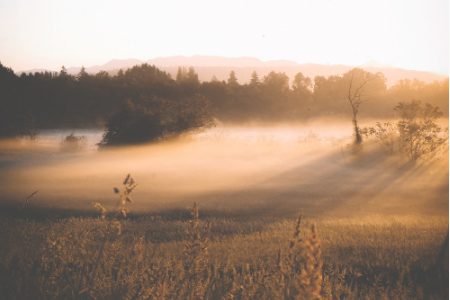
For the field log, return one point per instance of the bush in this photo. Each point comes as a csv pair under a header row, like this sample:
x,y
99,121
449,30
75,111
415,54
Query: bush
x,y
73,143
419,134
151,118
386,133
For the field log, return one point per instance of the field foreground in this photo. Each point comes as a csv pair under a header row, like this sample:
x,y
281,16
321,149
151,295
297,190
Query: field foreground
x,y
373,226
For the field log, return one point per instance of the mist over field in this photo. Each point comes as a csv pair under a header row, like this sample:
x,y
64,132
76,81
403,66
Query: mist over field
x,y
277,171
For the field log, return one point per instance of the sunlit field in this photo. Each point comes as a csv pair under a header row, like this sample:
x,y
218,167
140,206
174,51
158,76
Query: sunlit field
x,y
381,222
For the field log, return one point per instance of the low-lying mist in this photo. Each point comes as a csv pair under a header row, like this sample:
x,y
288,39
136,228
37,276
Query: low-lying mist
x,y
275,171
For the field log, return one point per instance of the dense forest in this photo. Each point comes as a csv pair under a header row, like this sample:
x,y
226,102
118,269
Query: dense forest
x,y
30,102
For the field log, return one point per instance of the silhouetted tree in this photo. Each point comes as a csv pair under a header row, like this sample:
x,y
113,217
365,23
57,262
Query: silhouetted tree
x,y
301,83
358,82
435,93
149,119
82,75
254,80
232,80
326,95
301,88
219,95
16,118
276,82
63,72
188,80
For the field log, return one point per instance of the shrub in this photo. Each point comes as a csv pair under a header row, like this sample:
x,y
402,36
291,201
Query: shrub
x,y
73,142
419,134
149,119
386,134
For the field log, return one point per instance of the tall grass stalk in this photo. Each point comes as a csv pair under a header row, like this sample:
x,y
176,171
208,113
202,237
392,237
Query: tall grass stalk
x,y
125,196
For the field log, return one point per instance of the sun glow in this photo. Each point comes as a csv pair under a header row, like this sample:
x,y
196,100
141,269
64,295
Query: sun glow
x,y
49,34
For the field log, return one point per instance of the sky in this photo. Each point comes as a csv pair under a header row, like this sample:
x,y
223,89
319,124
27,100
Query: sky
x,y
47,34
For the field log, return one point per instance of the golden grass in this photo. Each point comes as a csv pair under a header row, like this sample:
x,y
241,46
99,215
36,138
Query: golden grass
x,y
160,257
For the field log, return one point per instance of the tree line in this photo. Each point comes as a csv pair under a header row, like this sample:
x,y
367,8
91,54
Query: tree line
x,y
58,100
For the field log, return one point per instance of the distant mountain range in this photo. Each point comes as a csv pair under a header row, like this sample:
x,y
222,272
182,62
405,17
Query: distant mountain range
x,y
209,66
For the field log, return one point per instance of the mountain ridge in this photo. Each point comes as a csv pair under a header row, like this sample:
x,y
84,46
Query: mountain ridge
x,y
220,67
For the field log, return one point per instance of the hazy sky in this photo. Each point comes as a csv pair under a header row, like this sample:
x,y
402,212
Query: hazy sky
x,y
50,33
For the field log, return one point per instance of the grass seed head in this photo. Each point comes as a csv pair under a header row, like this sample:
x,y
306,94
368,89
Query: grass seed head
x,y
126,179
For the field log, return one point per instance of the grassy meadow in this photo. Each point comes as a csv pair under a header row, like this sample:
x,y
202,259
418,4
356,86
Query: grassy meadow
x,y
266,213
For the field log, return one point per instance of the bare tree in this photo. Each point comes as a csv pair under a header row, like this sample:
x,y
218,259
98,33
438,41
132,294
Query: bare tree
x,y
357,94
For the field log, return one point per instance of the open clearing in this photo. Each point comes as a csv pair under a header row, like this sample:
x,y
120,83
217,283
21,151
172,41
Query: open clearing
x,y
274,171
